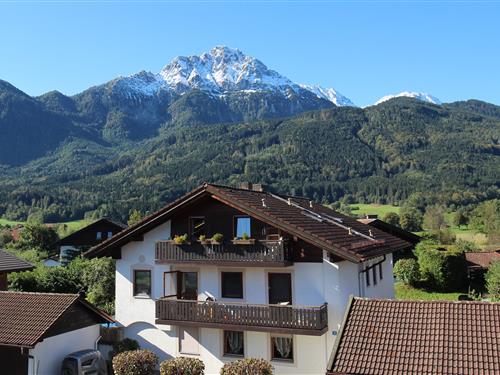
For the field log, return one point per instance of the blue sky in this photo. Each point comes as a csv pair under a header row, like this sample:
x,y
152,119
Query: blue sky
x,y
364,49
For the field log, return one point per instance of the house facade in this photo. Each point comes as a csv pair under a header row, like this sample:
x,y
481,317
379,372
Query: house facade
x,y
225,273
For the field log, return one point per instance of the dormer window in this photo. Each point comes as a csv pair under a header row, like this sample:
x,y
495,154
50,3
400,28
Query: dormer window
x,y
98,236
242,227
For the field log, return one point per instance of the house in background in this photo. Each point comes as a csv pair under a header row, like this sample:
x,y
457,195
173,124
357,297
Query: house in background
x,y
10,263
86,237
274,284
382,337
37,330
478,264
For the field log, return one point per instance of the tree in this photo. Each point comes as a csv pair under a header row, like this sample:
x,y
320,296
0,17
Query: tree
x,y
407,271
391,218
434,218
134,217
493,281
37,236
460,218
410,219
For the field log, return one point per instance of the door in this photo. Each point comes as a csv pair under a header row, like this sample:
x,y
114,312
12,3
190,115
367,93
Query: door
x,y
280,288
187,285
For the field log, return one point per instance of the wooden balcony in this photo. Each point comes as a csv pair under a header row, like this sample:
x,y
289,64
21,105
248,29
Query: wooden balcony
x,y
292,319
259,254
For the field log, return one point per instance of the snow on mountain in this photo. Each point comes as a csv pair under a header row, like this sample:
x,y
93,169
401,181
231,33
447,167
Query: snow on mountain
x,y
222,70
329,94
410,94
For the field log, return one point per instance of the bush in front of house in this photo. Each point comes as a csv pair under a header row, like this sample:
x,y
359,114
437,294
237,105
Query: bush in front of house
x,y
441,266
407,271
135,362
492,278
248,366
124,345
182,366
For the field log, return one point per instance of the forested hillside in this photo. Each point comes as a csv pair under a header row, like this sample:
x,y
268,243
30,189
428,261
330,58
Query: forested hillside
x,y
382,153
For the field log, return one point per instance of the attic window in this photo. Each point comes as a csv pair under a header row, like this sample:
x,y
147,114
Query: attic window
x,y
242,226
98,235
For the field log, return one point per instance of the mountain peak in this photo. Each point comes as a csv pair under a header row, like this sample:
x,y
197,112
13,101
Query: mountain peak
x,y
424,97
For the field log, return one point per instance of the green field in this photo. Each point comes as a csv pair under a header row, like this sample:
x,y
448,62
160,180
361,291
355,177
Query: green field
x,y
72,225
361,209
408,292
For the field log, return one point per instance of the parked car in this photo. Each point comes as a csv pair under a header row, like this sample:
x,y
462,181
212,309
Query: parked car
x,y
84,362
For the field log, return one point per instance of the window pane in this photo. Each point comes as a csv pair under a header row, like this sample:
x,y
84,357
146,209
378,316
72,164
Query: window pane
x,y
232,284
282,348
233,343
142,283
98,236
243,226
197,227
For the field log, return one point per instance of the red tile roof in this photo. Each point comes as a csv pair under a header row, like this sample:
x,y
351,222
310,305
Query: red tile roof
x,y
312,222
25,317
11,263
418,337
482,259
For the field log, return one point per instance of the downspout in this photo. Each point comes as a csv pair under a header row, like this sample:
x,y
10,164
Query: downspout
x,y
97,342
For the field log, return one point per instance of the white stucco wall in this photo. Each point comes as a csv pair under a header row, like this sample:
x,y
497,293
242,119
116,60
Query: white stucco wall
x,y
312,285
49,353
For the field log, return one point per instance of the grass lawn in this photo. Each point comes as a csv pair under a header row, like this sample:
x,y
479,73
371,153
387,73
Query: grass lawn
x,y
408,292
361,209
73,225
9,222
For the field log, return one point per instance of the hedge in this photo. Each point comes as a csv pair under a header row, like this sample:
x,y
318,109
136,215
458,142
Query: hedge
x,y
182,366
248,366
135,362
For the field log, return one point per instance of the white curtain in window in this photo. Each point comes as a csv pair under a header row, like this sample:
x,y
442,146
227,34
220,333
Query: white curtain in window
x,y
235,341
284,346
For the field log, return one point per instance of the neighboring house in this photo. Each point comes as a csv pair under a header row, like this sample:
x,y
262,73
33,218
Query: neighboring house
x,y
10,263
275,287
37,330
478,264
52,261
383,337
88,236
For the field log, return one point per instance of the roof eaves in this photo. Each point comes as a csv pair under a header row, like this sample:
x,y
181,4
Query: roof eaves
x,y
336,344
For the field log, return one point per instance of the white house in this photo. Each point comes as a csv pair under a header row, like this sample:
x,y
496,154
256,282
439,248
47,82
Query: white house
x,y
274,287
37,330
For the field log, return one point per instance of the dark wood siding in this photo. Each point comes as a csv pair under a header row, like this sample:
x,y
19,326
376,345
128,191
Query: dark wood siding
x,y
75,317
12,361
87,237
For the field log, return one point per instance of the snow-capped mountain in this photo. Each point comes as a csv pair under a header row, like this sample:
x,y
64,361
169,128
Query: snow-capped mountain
x,y
410,94
329,94
221,71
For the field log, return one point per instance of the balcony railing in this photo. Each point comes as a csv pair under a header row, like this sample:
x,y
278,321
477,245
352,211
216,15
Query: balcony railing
x,y
302,320
261,253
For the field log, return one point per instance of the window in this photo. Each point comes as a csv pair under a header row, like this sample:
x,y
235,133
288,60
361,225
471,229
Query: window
x,y
234,343
197,227
98,235
242,225
232,284
282,348
110,234
142,283
189,340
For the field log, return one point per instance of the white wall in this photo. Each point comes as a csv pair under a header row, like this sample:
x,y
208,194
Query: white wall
x,y
312,285
49,353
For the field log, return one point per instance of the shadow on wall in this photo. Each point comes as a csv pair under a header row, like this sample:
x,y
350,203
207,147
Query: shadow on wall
x,y
150,337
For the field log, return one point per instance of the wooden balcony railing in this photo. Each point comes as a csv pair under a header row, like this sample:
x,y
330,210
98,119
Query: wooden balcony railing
x,y
241,316
261,253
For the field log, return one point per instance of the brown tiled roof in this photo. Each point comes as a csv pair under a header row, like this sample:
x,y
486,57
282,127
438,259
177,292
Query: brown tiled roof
x,y
418,337
482,259
392,229
11,263
25,317
317,225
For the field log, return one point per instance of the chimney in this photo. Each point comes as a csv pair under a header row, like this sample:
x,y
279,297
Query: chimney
x,y
254,187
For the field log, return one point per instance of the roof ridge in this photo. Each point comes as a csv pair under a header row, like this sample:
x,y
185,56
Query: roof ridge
x,y
38,293
425,301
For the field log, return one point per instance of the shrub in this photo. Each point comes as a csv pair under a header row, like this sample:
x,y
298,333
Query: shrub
x,y
182,366
135,362
124,345
442,266
446,237
391,218
493,281
410,219
248,366
407,271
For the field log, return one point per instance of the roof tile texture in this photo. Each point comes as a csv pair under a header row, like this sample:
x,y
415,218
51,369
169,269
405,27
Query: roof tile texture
x,y
10,263
482,259
420,337
24,317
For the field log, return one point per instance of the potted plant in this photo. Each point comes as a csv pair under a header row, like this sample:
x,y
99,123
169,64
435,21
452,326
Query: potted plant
x,y
244,240
181,240
203,239
217,238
